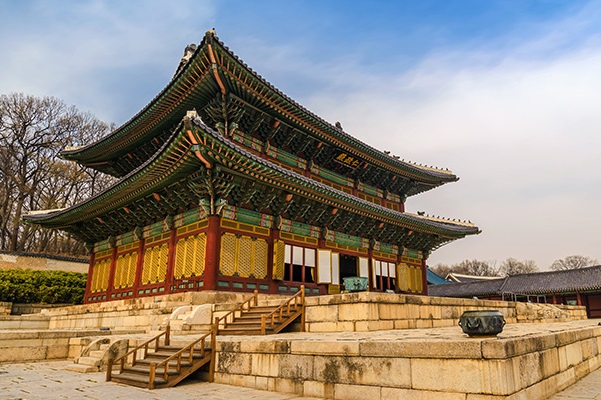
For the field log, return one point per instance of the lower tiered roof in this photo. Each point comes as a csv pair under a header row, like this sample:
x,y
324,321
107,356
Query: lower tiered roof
x,y
197,162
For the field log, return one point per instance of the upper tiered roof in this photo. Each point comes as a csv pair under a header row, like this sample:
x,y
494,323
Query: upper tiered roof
x,y
229,95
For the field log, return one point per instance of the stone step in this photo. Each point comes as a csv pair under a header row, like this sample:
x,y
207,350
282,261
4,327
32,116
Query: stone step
x,y
82,369
97,353
91,361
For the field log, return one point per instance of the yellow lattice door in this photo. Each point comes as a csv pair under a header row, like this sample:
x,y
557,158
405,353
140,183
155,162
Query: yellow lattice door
x,y
419,287
190,256
120,265
245,256
130,278
125,270
403,277
261,259
279,252
155,264
229,249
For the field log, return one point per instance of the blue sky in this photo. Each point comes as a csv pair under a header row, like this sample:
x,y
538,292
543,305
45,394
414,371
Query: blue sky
x,y
504,93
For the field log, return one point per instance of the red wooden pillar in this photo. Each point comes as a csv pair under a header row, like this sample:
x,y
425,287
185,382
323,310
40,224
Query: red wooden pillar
x,y
370,268
139,266
111,282
424,278
273,237
554,299
90,274
579,299
171,260
213,252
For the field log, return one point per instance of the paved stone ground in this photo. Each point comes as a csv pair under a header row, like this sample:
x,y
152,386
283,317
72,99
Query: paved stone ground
x,y
588,388
49,380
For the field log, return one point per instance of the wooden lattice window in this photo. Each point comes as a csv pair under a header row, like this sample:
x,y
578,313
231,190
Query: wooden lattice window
x,y
100,275
190,256
155,264
243,256
125,270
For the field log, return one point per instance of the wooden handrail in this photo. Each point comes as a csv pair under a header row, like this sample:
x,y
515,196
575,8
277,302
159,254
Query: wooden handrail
x,y
190,349
144,345
280,310
254,298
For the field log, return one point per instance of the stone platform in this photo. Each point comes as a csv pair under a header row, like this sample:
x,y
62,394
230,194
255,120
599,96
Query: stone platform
x,y
526,361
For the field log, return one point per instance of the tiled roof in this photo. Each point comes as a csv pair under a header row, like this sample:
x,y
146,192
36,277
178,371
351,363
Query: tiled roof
x,y
550,282
434,279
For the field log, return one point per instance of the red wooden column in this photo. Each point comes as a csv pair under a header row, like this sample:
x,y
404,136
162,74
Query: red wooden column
x,y
213,250
579,299
273,236
90,274
424,278
370,268
111,282
171,260
139,266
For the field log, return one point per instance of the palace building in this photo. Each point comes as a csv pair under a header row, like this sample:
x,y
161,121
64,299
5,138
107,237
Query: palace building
x,y
225,183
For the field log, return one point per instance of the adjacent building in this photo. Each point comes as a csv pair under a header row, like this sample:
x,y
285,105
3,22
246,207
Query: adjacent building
x,y
573,287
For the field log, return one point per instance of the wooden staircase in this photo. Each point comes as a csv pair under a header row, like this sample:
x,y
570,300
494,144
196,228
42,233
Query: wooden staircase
x,y
157,364
154,365
251,319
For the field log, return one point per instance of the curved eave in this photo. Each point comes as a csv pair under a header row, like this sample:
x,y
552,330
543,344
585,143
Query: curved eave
x,y
147,123
143,126
172,162
176,160
240,161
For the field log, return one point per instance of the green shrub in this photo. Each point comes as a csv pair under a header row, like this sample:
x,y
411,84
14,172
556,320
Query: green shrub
x,y
50,287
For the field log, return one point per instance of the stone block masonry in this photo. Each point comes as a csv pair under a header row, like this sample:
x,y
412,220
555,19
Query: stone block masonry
x,y
372,311
526,361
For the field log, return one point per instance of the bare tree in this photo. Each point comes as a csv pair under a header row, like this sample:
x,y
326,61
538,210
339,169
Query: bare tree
x,y
511,266
32,132
476,267
573,262
441,269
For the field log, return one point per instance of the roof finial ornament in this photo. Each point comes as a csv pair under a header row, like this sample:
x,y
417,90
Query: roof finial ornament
x,y
338,125
188,53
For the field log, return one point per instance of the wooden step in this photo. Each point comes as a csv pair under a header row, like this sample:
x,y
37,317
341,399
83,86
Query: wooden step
x,y
144,369
134,379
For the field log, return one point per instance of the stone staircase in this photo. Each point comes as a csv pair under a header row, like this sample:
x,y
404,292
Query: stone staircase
x,y
95,356
155,364
250,318
188,319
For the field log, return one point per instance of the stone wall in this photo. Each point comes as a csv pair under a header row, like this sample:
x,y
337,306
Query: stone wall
x,y
41,262
34,321
365,311
531,367
148,313
372,311
5,308
38,345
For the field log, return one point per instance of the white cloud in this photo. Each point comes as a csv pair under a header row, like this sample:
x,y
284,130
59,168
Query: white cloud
x,y
521,129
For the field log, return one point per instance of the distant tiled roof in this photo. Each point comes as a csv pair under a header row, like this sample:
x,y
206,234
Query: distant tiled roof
x,y
570,281
468,278
434,279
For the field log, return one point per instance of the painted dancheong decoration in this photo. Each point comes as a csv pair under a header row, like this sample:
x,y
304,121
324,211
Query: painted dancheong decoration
x,y
226,183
